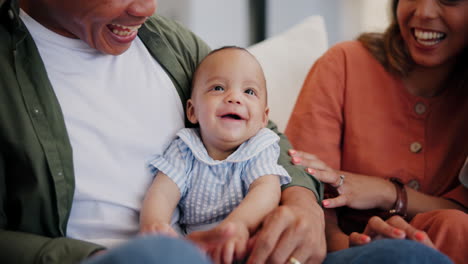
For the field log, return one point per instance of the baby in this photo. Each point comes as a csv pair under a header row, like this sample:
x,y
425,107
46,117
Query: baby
x,y
226,170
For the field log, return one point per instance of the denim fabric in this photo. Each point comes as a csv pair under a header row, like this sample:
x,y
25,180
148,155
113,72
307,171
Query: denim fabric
x,y
388,251
152,250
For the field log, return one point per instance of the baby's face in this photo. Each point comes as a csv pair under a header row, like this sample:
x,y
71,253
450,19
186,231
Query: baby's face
x,y
229,99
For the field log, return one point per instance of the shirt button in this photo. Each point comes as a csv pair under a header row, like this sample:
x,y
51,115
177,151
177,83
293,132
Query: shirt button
x,y
36,111
413,184
11,14
420,108
415,147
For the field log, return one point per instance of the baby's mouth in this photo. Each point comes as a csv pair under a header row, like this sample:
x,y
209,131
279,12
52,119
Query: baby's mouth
x,y
427,37
232,116
122,30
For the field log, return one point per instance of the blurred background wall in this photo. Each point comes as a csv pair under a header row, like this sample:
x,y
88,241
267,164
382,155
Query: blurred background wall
x,y
245,22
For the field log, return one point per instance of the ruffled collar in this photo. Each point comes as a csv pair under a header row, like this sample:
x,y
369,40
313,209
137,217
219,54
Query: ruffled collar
x,y
249,149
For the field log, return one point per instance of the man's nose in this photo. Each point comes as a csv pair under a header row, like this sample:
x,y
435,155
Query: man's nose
x,y
142,8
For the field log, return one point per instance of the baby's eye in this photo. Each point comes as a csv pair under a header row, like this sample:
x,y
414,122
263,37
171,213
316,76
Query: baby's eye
x,y
249,92
218,88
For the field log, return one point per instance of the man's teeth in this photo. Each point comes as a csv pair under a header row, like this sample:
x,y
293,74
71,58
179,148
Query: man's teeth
x,y
122,30
428,38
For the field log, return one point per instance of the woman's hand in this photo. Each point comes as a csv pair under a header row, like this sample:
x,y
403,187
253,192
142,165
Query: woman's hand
x,y
355,190
395,227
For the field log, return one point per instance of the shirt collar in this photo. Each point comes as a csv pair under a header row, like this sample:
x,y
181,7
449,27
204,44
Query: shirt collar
x,y
249,149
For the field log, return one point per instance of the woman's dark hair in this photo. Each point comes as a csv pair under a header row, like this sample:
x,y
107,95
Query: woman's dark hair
x,y
390,50
388,47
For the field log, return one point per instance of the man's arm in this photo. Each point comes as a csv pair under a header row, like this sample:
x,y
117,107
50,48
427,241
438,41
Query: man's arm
x,y
299,177
19,247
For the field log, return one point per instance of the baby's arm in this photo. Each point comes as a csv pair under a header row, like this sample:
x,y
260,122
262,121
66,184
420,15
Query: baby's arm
x,y
263,196
158,206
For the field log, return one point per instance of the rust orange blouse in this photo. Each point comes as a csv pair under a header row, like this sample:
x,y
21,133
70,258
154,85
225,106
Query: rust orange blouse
x,y
357,117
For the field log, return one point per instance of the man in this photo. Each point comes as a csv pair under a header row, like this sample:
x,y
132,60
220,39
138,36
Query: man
x,y
86,86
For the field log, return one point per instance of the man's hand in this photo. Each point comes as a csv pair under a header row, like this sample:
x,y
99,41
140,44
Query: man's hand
x,y
294,229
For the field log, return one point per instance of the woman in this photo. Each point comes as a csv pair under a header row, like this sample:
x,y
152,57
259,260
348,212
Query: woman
x,y
386,119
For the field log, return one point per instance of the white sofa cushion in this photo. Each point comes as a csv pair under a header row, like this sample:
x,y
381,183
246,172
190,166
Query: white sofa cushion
x,y
286,59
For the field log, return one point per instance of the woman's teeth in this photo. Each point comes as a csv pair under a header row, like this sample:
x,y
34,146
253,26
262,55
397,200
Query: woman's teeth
x,y
428,38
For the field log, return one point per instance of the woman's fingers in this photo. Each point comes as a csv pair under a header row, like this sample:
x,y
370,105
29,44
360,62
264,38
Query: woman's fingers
x,y
325,176
335,202
357,239
376,226
301,154
307,160
411,232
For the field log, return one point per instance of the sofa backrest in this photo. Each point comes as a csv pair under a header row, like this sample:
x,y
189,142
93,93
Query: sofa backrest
x,y
286,59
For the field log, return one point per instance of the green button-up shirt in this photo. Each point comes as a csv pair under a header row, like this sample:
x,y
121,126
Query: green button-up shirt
x,y
36,168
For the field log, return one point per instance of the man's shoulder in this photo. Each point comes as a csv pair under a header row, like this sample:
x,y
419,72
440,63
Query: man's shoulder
x,y
173,32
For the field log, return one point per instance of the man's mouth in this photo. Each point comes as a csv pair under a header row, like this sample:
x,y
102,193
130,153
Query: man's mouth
x,y
427,37
122,30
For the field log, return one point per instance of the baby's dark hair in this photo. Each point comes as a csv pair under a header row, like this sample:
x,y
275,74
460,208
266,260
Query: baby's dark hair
x,y
220,49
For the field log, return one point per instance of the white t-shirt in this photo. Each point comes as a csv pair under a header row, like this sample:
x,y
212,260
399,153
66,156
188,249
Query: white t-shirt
x,y
464,174
118,110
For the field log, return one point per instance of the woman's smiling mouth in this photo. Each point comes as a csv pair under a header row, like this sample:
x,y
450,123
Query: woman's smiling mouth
x,y
427,37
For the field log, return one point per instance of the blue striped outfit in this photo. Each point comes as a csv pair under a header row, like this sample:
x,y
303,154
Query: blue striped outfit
x,y
210,189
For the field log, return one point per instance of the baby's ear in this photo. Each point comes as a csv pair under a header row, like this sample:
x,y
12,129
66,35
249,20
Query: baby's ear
x,y
191,112
265,116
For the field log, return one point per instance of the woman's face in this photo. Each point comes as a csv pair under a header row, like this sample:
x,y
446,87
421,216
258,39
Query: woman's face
x,y
106,25
435,31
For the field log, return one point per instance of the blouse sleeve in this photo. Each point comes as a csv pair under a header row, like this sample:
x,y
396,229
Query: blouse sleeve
x,y
316,122
172,163
265,163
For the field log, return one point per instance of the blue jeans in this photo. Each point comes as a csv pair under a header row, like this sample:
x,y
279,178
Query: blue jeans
x,y
388,251
152,250
160,249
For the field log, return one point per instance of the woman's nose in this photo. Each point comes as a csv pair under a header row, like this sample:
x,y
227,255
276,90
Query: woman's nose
x,y
142,8
427,9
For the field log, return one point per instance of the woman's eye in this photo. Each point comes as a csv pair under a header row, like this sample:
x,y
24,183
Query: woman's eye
x,y
449,2
250,92
218,88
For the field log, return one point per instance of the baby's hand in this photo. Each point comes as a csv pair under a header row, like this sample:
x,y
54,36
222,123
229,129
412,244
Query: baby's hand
x,y
235,247
158,228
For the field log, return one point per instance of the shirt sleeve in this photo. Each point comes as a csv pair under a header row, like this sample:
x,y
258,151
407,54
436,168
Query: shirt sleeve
x,y
265,163
299,177
458,195
172,163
